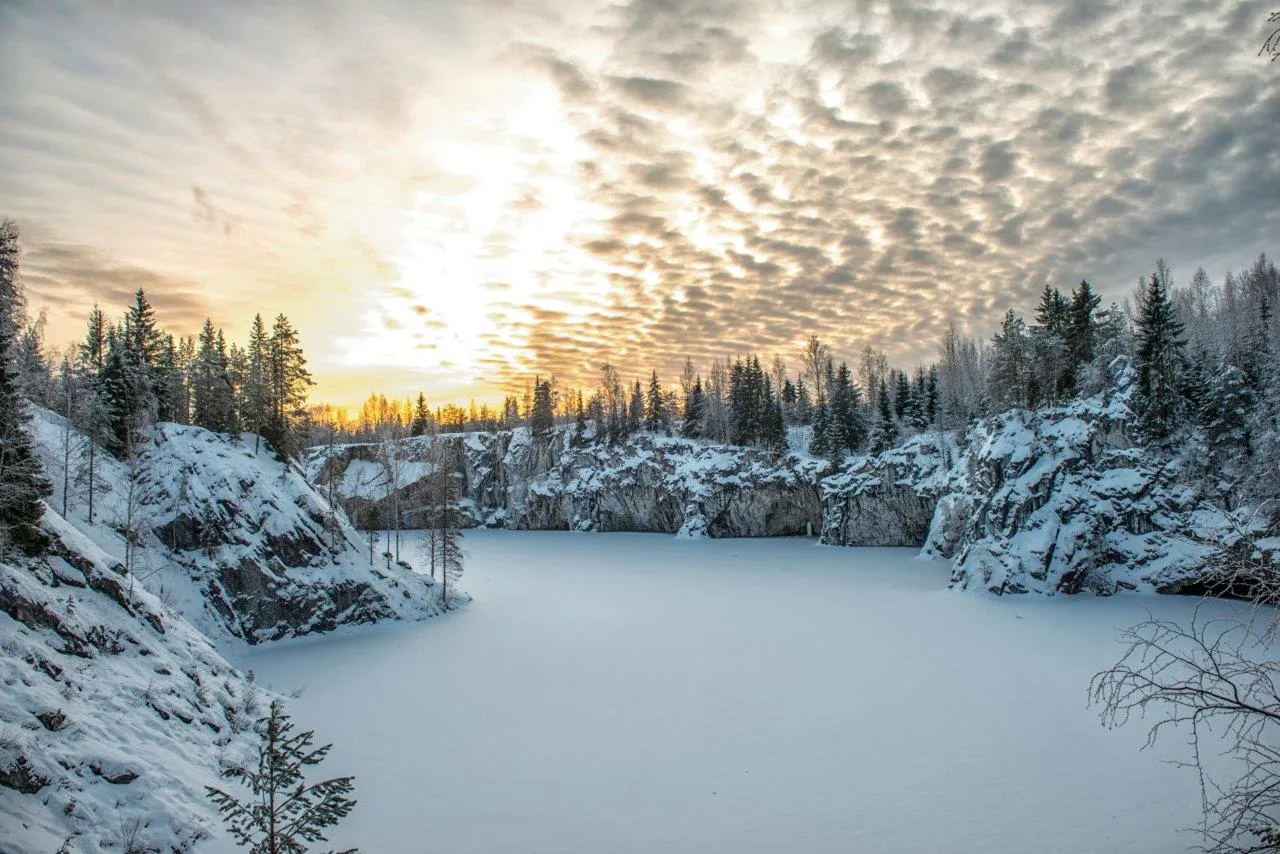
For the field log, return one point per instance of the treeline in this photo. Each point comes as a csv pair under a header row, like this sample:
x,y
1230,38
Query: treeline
x,y
127,374
1205,355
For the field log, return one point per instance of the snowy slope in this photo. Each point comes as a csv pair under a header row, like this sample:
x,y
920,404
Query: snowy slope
x,y
114,710
240,542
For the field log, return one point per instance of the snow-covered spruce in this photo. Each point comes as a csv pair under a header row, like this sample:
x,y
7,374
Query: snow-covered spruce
x,y
238,541
114,711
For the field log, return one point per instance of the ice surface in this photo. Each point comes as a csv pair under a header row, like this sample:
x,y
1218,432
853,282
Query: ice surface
x,y
639,693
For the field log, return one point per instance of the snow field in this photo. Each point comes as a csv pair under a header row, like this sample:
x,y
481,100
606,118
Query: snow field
x,y
639,693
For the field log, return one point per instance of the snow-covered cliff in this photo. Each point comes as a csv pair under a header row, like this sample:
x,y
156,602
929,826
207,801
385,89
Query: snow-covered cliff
x,y
1059,500
238,541
648,483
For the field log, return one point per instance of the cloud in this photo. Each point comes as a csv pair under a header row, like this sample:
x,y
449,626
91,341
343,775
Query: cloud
x,y
75,277
637,181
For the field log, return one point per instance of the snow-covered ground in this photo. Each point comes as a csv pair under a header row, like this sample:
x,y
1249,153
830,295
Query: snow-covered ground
x,y
639,693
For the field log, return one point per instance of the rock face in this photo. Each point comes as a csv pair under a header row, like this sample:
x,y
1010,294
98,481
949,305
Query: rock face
x,y
239,542
887,499
649,483
113,712
1060,500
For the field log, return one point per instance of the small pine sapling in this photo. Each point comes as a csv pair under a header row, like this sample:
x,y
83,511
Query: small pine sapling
x,y
284,812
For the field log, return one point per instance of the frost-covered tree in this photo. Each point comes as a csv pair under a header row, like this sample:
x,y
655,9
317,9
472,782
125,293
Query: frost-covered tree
x,y
1007,382
212,392
284,813
1159,354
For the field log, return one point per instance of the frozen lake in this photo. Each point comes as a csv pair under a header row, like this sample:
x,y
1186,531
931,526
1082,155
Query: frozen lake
x,y
636,693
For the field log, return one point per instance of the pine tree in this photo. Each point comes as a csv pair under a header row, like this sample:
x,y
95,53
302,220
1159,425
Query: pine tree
x,y
284,812
447,537
655,413
883,434
1159,357
288,382
255,384
22,483
635,412
1082,334
542,417
421,417
693,411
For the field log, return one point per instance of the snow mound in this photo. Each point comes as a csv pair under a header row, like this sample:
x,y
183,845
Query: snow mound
x,y
114,710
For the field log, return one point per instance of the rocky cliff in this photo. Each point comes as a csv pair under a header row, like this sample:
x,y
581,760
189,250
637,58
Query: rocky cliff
x,y
1060,500
236,540
648,483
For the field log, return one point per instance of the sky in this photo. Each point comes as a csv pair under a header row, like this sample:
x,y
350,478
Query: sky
x,y
451,196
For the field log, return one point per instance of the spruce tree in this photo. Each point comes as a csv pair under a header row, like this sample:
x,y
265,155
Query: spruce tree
x,y
773,432
94,416
542,417
1159,358
288,382
883,434
285,812
1007,380
693,411
254,403
635,411
421,424
655,414
446,539
22,482
1082,333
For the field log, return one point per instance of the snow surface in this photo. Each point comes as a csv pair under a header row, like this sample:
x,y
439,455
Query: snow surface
x,y
640,693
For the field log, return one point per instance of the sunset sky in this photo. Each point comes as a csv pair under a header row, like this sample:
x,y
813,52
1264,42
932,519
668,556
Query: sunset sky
x,y
449,196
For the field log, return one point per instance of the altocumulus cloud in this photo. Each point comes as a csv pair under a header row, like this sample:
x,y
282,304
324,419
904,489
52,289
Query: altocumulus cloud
x,y
701,178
